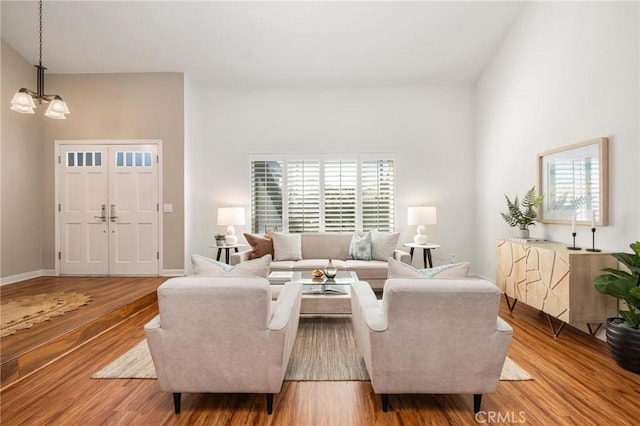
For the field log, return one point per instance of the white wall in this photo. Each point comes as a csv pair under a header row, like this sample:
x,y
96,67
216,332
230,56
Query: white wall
x,y
566,73
430,130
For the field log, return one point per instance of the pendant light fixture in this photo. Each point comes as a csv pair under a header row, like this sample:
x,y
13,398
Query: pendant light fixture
x,y
24,100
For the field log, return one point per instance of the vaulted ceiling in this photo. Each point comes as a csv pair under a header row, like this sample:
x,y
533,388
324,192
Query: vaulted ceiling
x,y
266,44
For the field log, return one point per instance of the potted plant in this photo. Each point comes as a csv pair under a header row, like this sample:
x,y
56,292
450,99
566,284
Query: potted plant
x,y
219,239
623,333
522,213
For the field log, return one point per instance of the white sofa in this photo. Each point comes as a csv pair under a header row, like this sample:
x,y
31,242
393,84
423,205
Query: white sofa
x,y
223,335
431,336
318,248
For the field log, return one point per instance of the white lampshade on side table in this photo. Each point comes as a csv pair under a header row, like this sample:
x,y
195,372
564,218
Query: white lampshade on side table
x,y
231,216
421,216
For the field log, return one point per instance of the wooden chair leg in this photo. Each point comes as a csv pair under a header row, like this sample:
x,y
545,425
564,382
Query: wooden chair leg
x,y
385,402
176,401
477,400
269,403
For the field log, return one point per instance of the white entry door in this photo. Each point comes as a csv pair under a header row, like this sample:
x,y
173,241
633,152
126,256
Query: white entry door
x,y
108,210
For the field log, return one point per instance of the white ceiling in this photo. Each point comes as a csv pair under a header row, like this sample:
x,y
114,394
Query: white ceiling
x,y
258,44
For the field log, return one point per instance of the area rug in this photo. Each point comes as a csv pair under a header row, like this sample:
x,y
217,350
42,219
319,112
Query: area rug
x,y
325,350
23,312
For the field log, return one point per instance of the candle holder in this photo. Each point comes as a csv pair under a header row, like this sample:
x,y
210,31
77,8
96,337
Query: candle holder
x,y
573,247
593,241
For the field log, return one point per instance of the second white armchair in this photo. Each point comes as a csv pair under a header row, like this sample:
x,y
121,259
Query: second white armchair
x,y
432,336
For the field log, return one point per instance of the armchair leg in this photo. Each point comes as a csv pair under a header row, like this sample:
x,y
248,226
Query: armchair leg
x,y
477,399
385,402
176,401
269,403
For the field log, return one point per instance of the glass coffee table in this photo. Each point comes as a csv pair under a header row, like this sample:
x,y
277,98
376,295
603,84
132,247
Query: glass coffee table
x,y
321,295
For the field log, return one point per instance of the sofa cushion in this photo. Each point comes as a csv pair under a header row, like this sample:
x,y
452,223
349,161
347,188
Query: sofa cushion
x,y
261,245
287,246
325,245
283,265
311,264
360,248
366,270
203,266
383,244
401,270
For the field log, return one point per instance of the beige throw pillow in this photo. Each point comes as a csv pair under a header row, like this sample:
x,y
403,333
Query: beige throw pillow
x,y
383,244
203,266
287,246
398,269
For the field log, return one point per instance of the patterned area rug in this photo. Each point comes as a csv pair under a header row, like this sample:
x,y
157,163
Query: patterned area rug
x,y
23,312
325,350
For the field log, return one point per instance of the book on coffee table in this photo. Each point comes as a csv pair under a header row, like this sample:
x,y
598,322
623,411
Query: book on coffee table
x,y
327,289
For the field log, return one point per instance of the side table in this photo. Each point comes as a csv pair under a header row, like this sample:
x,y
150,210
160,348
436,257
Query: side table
x,y
227,249
426,252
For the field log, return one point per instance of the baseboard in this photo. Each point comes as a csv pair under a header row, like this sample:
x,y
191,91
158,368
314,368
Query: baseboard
x,y
172,273
22,277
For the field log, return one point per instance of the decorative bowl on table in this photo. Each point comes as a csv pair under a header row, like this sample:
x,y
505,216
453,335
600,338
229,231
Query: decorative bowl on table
x,y
317,273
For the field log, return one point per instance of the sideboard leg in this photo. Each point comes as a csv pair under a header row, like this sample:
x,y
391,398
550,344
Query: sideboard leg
x,y
556,332
509,304
593,332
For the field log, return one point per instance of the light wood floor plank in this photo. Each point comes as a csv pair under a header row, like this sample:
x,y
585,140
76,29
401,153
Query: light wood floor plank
x,y
575,381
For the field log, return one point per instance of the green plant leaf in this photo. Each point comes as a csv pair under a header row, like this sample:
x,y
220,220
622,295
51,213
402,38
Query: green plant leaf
x,y
619,272
632,318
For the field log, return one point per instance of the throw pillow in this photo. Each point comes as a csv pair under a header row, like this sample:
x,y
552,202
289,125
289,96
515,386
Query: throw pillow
x,y
452,270
383,244
398,269
287,246
261,245
360,248
203,266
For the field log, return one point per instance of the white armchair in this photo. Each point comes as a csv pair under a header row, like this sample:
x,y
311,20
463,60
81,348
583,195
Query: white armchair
x,y
223,335
434,336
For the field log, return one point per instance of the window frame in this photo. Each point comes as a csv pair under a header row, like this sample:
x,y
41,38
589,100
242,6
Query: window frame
x,y
323,159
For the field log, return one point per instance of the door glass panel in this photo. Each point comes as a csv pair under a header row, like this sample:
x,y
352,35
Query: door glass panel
x,y
129,159
88,158
98,158
138,158
80,159
119,159
147,159
71,159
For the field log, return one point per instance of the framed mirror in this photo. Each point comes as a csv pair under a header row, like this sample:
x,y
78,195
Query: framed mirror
x,y
574,181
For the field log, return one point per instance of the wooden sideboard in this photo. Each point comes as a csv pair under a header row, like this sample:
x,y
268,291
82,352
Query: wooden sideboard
x,y
555,280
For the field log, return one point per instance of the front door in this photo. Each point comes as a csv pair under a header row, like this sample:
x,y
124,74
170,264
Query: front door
x,y
108,209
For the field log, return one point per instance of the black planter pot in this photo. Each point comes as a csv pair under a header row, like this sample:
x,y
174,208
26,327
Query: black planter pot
x,y
624,343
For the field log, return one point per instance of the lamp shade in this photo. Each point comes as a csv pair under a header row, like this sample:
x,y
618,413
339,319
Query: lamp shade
x,y
422,216
231,216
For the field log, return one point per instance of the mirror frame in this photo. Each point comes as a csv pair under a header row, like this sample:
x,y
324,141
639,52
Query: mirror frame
x,y
568,152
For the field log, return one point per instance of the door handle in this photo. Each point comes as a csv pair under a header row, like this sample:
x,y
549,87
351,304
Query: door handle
x,y
113,213
103,211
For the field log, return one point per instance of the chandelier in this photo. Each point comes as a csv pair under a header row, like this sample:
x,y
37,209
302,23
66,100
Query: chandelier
x,y
24,100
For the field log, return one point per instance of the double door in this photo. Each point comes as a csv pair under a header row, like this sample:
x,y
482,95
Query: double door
x,y
108,209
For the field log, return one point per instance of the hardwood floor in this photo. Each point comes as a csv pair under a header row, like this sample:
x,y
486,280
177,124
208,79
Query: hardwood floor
x,y
113,299
575,382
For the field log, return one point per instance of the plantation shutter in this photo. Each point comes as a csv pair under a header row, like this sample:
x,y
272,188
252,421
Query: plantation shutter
x,y
340,196
377,190
266,195
303,195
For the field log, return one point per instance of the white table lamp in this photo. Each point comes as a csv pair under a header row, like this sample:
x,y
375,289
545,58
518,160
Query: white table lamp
x,y
421,216
231,216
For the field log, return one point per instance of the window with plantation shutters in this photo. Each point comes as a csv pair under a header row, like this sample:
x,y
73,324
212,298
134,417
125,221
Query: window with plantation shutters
x,y
322,194
377,195
266,195
303,196
340,196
